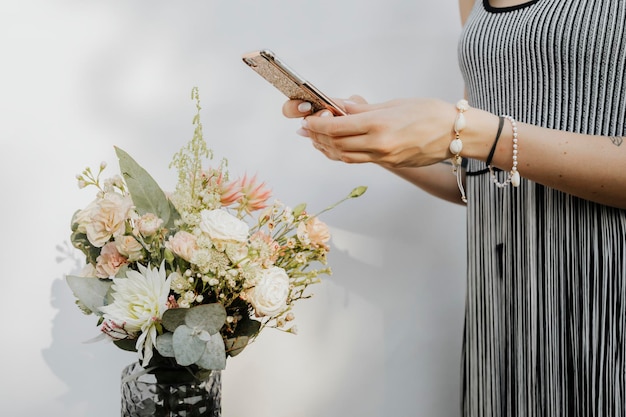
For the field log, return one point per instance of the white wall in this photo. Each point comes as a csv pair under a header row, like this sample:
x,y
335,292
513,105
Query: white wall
x,y
381,337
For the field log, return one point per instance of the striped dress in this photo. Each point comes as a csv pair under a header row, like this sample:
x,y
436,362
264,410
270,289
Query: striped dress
x,y
545,324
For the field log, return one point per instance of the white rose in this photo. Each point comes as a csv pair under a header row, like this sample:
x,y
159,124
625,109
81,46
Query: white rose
x,y
269,295
221,225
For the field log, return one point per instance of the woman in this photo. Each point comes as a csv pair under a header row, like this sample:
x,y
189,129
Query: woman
x,y
545,327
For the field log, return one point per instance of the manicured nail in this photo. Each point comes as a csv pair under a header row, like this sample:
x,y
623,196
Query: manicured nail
x,y
349,102
303,132
304,107
304,123
326,113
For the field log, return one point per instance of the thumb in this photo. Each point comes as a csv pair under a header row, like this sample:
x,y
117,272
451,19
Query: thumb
x,y
355,104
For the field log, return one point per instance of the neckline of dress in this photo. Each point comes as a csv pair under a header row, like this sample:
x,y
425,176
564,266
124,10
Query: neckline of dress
x,y
488,7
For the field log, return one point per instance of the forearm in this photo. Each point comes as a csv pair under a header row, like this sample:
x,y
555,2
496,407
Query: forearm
x,y
589,167
436,180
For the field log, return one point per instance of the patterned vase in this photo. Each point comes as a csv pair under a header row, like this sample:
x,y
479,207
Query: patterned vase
x,y
174,392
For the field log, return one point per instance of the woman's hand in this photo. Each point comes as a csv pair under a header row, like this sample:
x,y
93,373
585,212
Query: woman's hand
x,y
396,134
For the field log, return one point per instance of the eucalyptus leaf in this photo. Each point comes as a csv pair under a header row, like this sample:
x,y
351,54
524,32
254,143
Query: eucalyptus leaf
x,y
204,335
147,196
209,317
187,347
165,344
80,241
90,291
247,327
235,345
174,317
214,356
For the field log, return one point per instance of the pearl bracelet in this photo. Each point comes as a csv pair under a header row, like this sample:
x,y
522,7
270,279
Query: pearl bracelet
x,y
456,146
513,178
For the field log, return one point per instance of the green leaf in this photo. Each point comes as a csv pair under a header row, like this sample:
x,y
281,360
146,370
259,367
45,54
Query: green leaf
x,y
247,327
235,345
126,344
214,356
209,317
173,317
187,347
165,344
245,330
92,292
80,241
147,196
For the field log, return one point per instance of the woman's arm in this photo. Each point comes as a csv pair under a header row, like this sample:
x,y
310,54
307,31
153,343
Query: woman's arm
x,y
587,166
436,179
465,7
410,133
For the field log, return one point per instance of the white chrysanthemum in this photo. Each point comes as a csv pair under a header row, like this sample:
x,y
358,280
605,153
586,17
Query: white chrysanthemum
x,y
139,301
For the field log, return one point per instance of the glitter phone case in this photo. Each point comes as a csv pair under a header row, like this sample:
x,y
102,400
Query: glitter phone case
x,y
269,66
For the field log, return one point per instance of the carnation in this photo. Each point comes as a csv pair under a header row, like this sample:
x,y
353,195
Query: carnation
x,y
110,261
106,218
183,244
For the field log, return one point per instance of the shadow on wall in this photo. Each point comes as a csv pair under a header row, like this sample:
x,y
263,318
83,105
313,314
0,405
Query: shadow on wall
x,y
86,369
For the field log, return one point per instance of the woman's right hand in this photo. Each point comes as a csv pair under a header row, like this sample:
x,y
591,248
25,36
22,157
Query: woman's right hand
x,y
405,136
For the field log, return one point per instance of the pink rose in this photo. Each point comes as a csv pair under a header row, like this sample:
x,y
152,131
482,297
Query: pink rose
x,y
314,232
129,247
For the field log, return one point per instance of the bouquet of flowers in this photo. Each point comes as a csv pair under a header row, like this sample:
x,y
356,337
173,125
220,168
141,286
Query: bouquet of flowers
x,y
190,278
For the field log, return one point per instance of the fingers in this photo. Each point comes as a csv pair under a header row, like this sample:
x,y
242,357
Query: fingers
x,y
296,108
335,137
299,108
327,125
336,154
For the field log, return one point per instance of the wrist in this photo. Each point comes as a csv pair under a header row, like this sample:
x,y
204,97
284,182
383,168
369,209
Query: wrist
x,y
479,134
474,145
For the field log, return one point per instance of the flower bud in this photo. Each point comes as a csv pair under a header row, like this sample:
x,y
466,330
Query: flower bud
x,y
358,191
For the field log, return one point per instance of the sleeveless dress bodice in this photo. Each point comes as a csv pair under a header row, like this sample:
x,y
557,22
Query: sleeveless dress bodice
x,y
545,323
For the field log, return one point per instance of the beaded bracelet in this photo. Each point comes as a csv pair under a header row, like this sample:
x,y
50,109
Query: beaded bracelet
x,y
456,146
513,178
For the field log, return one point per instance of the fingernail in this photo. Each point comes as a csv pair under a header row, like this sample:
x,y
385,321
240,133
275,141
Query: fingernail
x,y
326,113
349,102
303,132
304,107
304,123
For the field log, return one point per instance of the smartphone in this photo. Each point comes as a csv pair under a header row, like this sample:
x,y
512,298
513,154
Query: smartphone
x,y
269,66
